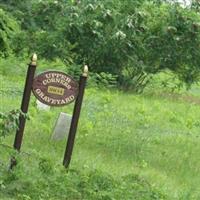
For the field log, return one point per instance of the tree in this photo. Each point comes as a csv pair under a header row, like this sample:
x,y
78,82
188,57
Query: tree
x,y
8,29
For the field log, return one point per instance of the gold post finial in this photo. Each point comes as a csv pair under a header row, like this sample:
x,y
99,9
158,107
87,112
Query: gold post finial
x,y
85,71
34,59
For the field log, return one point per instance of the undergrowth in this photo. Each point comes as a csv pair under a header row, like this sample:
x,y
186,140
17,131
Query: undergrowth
x,y
127,147
45,181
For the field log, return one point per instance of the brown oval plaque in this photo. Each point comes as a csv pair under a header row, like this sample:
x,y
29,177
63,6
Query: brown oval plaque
x,y
55,88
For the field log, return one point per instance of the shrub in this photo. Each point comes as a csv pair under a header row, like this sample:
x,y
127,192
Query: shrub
x,y
9,122
8,29
132,40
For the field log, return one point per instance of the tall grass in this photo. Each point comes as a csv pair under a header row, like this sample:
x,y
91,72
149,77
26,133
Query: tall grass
x,y
127,147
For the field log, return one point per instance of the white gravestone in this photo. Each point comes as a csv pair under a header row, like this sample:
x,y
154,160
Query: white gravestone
x,y
62,126
41,106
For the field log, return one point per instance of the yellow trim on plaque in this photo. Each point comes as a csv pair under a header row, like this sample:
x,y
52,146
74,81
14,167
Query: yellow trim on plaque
x,y
55,90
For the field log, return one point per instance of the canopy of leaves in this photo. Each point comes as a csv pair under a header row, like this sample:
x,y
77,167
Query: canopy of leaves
x,y
8,29
130,39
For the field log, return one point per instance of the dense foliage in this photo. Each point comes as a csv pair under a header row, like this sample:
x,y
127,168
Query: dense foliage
x,y
9,122
8,29
59,184
131,40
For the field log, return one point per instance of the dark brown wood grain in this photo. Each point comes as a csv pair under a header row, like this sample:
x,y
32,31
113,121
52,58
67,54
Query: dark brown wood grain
x,y
74,123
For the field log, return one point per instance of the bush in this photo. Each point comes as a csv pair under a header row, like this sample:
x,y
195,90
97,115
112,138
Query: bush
x,y
74,184
106,80
172,40
9,122
8,29
132,40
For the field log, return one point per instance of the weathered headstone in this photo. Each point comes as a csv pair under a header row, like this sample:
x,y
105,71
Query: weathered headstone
x,y
42,106
62,126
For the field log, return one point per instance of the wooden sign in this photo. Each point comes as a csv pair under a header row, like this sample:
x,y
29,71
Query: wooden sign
x,y
55,88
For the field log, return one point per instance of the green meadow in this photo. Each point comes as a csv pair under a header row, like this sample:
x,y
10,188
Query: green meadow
x,y
138,133
128,146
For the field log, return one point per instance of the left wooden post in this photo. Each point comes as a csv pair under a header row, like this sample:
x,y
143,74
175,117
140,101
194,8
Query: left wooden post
x,y
24,106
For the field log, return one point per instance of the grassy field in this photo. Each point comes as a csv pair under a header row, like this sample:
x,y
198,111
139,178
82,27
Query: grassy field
x,y
128,146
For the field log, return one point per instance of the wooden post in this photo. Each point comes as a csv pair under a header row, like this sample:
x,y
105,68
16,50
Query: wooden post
x,y
75,118
24,106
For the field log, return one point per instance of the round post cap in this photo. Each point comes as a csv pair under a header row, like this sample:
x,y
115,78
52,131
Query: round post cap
x,y
85,71
34,59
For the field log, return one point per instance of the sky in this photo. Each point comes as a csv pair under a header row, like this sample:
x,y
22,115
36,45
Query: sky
x,y
185,2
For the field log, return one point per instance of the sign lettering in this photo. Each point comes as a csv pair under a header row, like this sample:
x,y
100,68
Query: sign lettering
x,y
55,88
